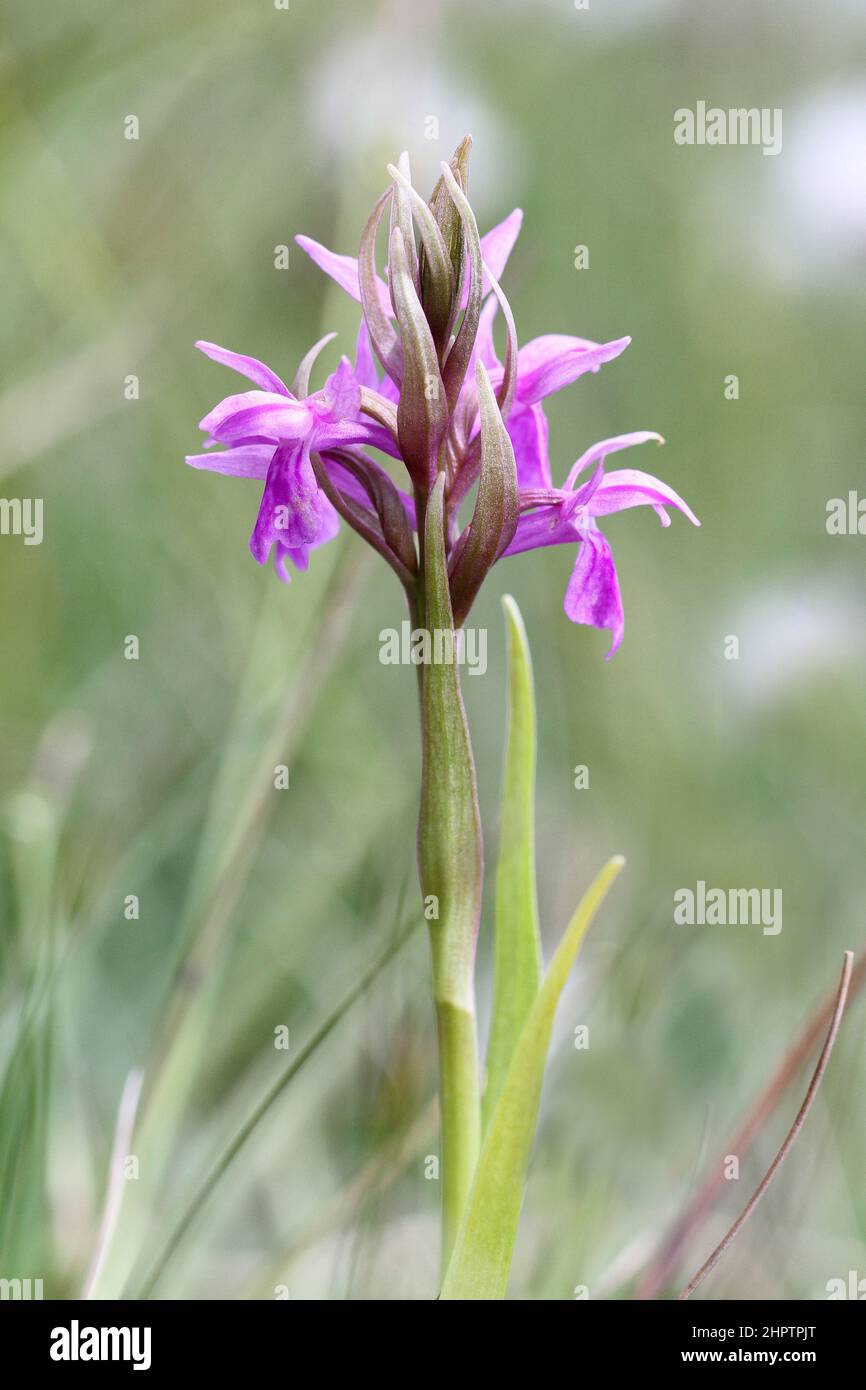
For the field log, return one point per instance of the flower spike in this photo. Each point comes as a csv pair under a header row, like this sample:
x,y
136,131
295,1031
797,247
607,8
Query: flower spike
x,y
445,406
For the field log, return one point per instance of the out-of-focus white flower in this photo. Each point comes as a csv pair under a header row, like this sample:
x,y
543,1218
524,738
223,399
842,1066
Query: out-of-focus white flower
x,y
823,178
419,107
793,633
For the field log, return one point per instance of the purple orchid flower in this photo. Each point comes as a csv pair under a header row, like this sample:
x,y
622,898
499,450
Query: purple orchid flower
x,y
561,516
427,402
271,434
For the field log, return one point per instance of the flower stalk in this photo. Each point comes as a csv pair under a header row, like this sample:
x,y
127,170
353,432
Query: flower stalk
x,y
451,868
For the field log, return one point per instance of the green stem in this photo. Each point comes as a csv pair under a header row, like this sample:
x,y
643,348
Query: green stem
x,y
460,1114
451,869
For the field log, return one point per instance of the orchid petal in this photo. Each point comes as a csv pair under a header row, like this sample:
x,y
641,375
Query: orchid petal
x,y
485,348
609,446
301,383
245,461
293,512
345,433
498,244
527,426
496,247
340,397
628,487
593,595
549,363
343,270
250,367
541,528
365,363
257,412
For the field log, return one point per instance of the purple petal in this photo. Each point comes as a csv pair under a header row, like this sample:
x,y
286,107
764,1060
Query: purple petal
x,y
527,429
484,349
540,528
609,446
496,247
593,595
250,367
361,431
627,487
549,363
498,244
365,363
257,412
299,557
246,461
344,271
390,390
340,397
301,382
294,513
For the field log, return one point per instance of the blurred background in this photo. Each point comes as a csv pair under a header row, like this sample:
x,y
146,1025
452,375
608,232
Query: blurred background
x,y
164,911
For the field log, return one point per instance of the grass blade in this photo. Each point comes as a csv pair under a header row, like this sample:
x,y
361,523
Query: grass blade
x,y
240,1138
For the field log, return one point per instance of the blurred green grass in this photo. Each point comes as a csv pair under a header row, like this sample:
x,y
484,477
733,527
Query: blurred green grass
x,y
133,777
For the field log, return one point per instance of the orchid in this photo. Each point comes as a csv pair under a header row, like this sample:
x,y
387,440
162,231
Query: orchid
x,y
427,390
275,435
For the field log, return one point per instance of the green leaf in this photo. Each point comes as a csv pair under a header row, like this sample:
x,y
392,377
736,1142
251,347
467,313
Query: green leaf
x,y
494,519
401,216
459,356
482,1255
448,218
516,941
439,280
422,413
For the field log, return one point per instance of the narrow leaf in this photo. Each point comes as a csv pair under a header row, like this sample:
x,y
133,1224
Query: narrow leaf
x,y
401,216
460,353
422,414
365,522
516,942
494,519
437,293
385,497
448,218
482,1255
